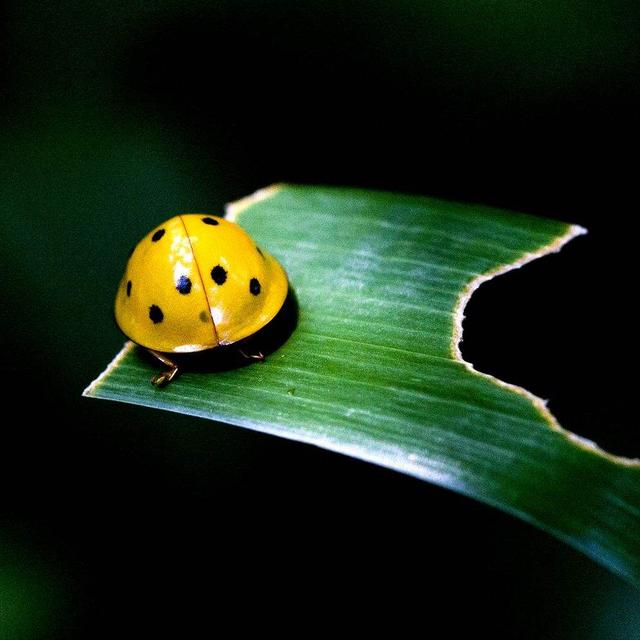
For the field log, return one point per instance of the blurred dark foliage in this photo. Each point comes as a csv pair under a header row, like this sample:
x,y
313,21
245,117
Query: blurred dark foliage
x,y
116,114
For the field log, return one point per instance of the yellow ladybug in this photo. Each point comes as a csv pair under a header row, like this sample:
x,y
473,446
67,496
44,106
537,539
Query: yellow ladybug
x,y
197,282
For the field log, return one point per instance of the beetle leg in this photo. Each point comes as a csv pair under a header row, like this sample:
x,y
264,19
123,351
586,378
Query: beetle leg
x,y
164,378
252,356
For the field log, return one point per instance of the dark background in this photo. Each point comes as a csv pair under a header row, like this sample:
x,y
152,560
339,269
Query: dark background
x,y
115,115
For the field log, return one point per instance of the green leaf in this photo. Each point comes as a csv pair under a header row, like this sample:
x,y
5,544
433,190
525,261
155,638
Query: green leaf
x,y
373,369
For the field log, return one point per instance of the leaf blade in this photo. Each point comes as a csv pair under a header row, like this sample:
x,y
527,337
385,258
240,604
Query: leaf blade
x,y
373,369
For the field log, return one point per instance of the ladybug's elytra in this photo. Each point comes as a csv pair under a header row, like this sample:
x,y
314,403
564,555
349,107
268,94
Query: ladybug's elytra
x,y
197,282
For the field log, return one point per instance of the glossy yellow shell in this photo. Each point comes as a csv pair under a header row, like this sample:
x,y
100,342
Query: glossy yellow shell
x,y
195,282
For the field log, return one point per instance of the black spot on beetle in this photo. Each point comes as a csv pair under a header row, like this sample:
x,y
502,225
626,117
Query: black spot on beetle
x,y
183,285
129,289
211,221
260,252
155,314
157,235
219,275
204,316
254,286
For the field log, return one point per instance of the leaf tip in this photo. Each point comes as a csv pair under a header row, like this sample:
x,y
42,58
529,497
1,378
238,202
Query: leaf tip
x,y
90,391
577,230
